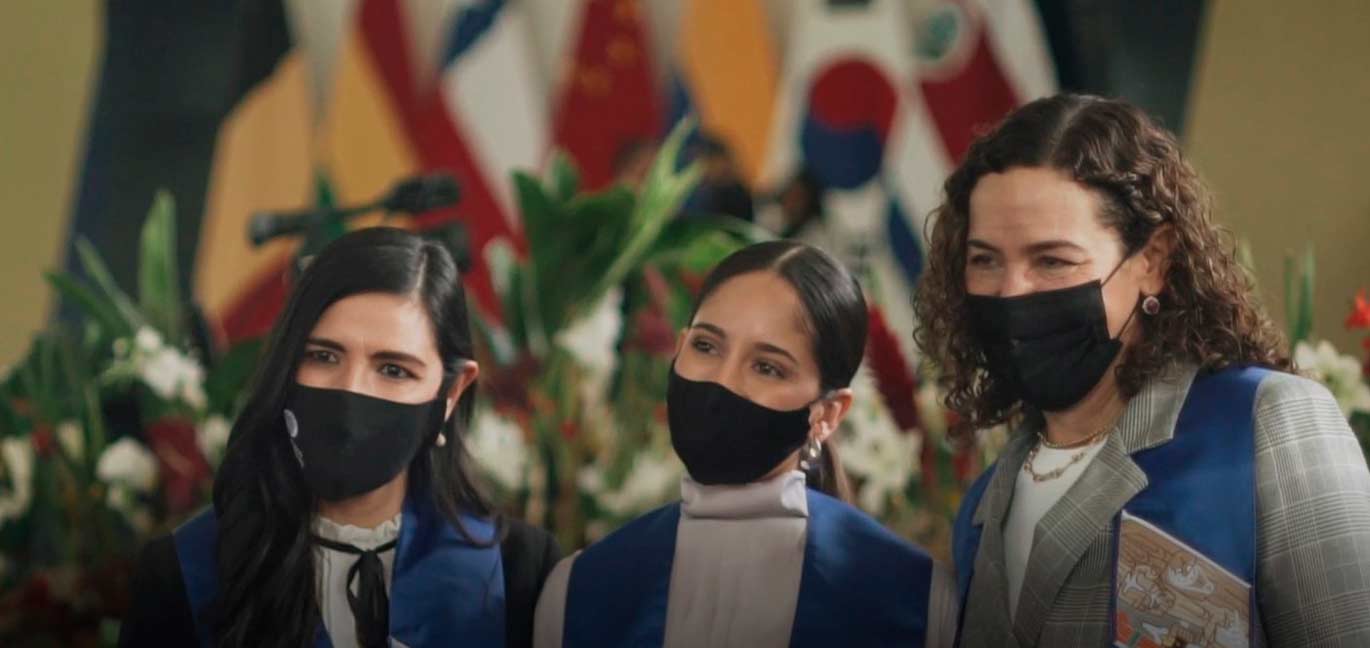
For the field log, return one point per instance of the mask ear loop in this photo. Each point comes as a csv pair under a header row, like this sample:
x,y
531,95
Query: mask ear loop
x,y
1131,314
440,438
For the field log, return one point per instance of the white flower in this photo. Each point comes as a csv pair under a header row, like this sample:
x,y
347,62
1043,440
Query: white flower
x,y
590,338
650,481
1341,374
171,374
161,372
590,480
147,340
212,437
72,439
193,394
127,462
497,444
875,449
17,456
932,414
500,259
120,498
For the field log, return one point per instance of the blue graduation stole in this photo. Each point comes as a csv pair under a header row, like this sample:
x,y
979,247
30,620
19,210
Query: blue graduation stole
x,y
861,585
443,587
1201,485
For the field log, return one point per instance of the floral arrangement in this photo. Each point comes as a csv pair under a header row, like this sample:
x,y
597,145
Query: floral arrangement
x,y
110,428
1343,375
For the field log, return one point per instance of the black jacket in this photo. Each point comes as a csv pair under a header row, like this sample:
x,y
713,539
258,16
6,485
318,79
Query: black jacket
x,y
159,614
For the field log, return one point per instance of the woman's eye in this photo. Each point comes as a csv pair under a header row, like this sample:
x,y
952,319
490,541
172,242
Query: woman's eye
x,y
319,355
769,370
981,260
702,345
1053,263
396,372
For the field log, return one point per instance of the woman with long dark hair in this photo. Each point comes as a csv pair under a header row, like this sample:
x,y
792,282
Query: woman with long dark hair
x,y
762,550
1171,480
344,511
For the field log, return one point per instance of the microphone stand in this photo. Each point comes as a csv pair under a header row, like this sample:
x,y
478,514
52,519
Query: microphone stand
x,y
321,225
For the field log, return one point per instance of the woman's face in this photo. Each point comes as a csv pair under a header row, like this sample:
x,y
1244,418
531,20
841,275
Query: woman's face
x,y
752,336
380,345
1035,229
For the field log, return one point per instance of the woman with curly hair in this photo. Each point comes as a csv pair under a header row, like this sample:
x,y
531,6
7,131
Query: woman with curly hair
x,y
1170,479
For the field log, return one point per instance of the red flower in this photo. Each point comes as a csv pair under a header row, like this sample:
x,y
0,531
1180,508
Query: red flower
x,y
43,443
508,385
658,289
1360,312
693,282
569,430
652,333
181,465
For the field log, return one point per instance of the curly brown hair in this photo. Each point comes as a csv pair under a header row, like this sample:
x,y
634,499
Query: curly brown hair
x,y
1211,316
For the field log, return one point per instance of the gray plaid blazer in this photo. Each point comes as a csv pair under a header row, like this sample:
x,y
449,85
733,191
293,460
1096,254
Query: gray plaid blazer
x,y
1313,527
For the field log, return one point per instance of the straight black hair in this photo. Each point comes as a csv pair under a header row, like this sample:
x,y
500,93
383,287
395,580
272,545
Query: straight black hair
x,y
836,314
266,593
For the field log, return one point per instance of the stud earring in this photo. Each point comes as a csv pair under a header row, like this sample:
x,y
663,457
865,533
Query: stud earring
x,y
1151,305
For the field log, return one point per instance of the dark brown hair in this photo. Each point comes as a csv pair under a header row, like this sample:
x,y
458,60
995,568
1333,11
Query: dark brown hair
x,y
1209,317
835,310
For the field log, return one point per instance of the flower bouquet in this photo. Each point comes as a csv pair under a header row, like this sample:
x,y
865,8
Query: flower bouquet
x,y
110,427
1343,375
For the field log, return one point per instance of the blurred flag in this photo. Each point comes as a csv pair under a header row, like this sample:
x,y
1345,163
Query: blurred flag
x,y
608,100
727,76
976,61
843,114
397,87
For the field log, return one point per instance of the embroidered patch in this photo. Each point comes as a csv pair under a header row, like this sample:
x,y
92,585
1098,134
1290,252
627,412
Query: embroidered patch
x,y
1170,596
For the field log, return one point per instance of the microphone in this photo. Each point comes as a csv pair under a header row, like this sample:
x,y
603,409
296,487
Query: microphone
x,y
414,195
422,194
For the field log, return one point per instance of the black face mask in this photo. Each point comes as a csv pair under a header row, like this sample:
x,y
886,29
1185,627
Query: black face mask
x,y
724,438
349,443
1050,348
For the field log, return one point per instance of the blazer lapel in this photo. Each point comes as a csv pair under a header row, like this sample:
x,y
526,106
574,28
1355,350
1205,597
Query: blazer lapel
x,y
987,622
1112,479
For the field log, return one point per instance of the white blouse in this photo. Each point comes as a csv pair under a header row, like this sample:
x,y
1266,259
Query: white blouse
x,y
332,566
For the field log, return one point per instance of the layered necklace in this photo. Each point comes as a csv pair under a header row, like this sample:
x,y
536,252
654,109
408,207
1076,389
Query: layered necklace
x,y
1084,445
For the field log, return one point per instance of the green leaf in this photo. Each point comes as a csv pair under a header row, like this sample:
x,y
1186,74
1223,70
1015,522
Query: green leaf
x,y
1246,258
95,306
159,289
538,209
96,435
1305,312
1290,316
562,177
97,270
660,197
698,243
227,381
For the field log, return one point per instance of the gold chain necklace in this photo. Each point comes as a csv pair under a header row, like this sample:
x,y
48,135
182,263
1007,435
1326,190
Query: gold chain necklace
x,y
1074,459
1089,440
